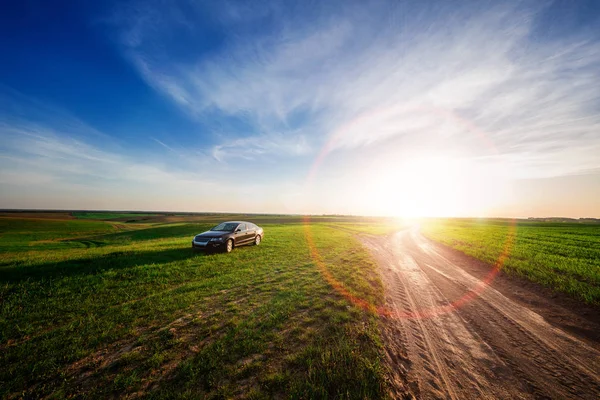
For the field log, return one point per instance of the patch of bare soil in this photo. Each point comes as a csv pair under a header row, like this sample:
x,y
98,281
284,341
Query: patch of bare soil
x,y
104,364
450,334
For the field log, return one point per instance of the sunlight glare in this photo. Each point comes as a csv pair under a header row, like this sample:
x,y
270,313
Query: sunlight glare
x,y
436,186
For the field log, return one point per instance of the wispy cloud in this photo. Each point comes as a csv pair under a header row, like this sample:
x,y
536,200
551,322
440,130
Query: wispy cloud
x,y
250,148
42,151
61,164
447,75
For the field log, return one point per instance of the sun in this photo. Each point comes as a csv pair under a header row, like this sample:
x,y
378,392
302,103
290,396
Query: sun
x,y
433,186
426,186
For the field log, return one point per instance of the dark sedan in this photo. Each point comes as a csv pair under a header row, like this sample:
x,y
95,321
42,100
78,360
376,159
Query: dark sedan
x,y
228,235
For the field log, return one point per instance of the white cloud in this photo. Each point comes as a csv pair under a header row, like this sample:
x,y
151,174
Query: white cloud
x,y
45,167
250,148
36,155
365,73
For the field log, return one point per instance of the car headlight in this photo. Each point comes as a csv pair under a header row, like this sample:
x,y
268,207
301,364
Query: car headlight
x,y
216,239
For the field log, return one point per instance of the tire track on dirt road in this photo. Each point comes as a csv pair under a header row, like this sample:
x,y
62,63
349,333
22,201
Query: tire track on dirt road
x,y
488,347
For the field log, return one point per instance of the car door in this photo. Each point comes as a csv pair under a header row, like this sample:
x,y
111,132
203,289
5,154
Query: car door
x,y
242,236
251,232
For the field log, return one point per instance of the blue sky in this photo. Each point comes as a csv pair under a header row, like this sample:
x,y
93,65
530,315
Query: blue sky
x,y
403,108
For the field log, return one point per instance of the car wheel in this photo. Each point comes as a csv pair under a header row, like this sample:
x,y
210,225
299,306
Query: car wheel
x,y
229,246
257,240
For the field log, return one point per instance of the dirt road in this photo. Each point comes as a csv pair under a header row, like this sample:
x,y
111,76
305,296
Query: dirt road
x,y
497,345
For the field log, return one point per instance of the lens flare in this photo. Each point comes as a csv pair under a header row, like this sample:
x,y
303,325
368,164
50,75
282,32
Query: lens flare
x,y
385,311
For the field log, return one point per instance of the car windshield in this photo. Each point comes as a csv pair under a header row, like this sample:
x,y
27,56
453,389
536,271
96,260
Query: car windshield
x,y
225,227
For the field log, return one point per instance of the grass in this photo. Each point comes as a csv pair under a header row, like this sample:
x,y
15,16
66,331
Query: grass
x,y
108,215
98,308
136,312
44,234
372,228
562,256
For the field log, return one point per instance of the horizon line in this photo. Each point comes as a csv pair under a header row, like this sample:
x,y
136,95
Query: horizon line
x,y
40,210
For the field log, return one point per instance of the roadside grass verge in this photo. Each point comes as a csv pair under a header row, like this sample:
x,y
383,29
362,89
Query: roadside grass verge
x,y
141,314
371,228
562,256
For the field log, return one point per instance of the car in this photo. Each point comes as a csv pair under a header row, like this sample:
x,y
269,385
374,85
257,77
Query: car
x,y
228,235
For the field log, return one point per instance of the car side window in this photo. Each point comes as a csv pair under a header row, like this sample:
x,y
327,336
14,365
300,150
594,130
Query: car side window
x,y
242,227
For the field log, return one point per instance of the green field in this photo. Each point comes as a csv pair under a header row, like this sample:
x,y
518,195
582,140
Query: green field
x,y
109,215
100,309
560,255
